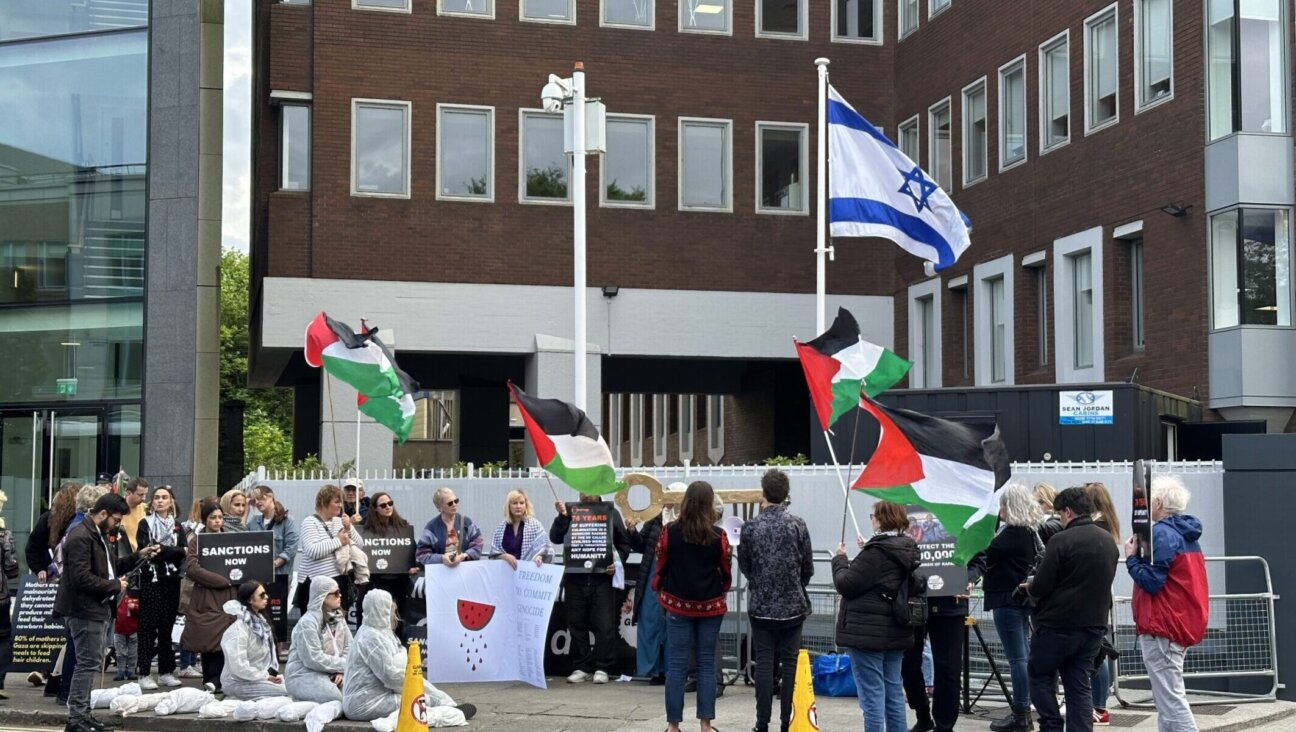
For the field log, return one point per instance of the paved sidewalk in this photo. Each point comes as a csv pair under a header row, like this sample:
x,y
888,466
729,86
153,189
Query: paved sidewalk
x,y
628,707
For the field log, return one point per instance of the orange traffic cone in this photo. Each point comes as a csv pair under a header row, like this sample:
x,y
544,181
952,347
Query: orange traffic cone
x,y
805,718
413,710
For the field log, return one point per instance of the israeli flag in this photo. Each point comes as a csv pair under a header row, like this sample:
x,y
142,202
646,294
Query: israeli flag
x,y
875,190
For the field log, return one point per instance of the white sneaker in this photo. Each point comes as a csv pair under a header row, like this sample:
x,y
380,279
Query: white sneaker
x,y
190,672
600,677
149,683
167,680
578,677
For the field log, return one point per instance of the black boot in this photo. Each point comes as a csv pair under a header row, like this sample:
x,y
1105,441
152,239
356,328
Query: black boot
x,y
923,725
1017,720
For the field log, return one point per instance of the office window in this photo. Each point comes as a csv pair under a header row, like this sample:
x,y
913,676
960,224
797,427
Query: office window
x,y
994,357
1042,314
629,13
781,18
925,334
545,167
939,161
1012,113
998,336
857,20
975,133
705,16
465,152
908,22
397,6
1055,93
1250,267
935,7
1153,51
482,8
781,167
627,166
687,425
1101,71
380,148
908,140
294,147
1082,299
548,11
705,164
1137,319
1247,79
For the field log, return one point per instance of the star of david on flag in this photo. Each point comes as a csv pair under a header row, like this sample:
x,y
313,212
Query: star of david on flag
x,y
876,190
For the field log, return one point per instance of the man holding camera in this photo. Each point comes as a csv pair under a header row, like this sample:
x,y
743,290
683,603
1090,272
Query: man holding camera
x,y
92,582
1072,592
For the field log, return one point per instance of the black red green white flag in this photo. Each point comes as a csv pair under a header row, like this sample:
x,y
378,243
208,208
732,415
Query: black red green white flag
x,y
350,357
567,444
839,365
950,468
394,411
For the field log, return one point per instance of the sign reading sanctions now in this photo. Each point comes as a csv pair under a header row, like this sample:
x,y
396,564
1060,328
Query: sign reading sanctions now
x,y
238,556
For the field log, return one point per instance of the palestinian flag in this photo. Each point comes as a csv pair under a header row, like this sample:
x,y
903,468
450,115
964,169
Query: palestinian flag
x,y
950,468
567,444
350,357
839,366
396,411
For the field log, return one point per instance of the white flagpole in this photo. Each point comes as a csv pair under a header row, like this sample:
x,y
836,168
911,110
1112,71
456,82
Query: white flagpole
x,y
842,480
357,460
822,249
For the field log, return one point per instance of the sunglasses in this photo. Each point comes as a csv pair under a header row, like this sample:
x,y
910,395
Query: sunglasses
x,y
261,595
335,593
388,504
455,502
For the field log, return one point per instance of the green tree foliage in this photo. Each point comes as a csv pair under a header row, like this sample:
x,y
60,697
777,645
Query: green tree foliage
x,y
617,193
267,413
548,183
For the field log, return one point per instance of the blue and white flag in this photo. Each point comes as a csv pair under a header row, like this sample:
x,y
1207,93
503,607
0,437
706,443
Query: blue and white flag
x,y
875,190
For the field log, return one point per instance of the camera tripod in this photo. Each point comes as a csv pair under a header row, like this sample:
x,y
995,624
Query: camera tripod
x,y
969,627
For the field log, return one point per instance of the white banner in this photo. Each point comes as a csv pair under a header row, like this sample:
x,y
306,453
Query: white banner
x,y
487,622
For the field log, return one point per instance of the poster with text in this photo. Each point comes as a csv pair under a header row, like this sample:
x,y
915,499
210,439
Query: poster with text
x,y
489,622
390,554
588,546
238,556
944,577
37,634
1141,511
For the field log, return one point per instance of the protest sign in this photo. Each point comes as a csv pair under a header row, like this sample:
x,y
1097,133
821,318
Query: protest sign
x,y
488,622
1141,512
389,554
238,556
588,547
37,634
944,577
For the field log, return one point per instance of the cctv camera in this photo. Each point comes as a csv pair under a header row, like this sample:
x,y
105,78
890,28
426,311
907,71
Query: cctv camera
x,y
552,97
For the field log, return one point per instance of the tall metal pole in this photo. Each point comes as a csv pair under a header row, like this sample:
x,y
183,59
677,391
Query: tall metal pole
x,y
821,203
578,224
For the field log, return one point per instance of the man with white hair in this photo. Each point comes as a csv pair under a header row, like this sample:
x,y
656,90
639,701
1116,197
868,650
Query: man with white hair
x,y
1171,600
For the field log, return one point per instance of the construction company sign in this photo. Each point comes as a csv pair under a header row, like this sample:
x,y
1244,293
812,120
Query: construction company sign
x,y
1086,407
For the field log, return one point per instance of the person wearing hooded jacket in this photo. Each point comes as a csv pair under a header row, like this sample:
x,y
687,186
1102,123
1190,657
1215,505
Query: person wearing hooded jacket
x,y
318,655
206,619
375,671
251,665
866,625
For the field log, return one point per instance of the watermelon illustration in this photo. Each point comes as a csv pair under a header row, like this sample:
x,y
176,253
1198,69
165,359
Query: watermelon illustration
x,y
474,615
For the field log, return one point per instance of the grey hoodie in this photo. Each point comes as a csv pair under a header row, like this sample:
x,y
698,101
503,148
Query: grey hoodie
x,y
312,659
375,669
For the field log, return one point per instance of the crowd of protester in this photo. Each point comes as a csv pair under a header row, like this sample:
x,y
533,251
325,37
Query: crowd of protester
x,y
128,568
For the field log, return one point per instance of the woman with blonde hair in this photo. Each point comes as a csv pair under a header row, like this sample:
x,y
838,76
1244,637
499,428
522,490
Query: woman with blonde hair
x,y
1044,495
1010,558
270,515
520,536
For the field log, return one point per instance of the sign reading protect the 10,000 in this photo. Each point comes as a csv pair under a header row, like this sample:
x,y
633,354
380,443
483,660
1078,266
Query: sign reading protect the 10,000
x,y
1086,407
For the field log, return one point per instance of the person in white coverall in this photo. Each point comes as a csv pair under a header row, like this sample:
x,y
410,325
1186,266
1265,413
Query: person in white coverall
x,y
375,671
251,665
318,655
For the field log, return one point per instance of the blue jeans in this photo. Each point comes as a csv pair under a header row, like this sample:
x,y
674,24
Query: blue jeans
x,y
89,637
1013,624
188,658
881,693
1101,682
700,636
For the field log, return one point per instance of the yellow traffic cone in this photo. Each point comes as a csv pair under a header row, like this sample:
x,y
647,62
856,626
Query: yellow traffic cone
x,y
413,708
805,718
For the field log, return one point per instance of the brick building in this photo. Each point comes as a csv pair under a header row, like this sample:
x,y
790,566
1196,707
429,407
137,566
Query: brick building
x,y
404,172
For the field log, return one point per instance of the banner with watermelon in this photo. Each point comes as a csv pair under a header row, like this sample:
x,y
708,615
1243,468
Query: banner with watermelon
x,y
489,622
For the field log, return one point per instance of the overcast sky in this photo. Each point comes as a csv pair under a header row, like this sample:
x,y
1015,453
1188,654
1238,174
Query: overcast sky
x,y
238,122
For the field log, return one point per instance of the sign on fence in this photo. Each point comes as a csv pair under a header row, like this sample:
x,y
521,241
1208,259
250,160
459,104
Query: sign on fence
x,y
238,556
37,634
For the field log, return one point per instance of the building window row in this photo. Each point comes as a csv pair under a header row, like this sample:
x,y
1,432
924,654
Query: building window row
x,y
465,154
852,20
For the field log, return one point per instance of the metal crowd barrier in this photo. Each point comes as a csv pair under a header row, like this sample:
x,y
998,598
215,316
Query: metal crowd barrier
x,y
1240,642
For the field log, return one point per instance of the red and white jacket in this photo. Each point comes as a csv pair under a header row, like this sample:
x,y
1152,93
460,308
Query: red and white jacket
x,y
1171,596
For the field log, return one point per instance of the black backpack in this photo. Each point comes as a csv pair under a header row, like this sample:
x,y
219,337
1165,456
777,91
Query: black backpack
x,y
909,600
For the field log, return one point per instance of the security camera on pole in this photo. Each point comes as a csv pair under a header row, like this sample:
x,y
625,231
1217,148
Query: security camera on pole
x,y
583,125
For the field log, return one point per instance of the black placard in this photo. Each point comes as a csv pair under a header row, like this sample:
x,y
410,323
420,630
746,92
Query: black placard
x,y
238,556
944,577
37,634
389,554
1141,511
588,546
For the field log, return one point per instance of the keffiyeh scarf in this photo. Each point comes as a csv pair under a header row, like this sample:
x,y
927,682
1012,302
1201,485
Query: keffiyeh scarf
x,y
261,631
162,530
